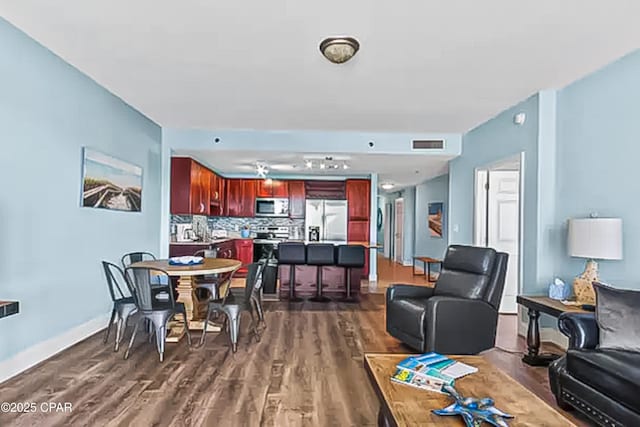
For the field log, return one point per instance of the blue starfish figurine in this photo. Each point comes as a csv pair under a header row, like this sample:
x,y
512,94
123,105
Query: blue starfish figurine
x,y
474,411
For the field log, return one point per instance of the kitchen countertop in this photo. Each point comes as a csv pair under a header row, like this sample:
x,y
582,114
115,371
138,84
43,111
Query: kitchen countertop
x,y
367,245
210,242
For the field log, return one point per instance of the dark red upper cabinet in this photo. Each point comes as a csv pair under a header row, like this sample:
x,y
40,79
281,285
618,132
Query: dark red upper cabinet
x,y
296,199
216,202
240,197
359,199
271,188
190,187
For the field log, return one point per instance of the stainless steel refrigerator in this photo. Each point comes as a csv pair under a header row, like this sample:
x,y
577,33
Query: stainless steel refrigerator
x,y
330,216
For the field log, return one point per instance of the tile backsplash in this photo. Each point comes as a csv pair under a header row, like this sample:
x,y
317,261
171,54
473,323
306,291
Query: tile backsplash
x,y
232,223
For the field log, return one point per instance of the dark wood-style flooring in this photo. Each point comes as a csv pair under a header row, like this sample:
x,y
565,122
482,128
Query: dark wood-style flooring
x,y
307,370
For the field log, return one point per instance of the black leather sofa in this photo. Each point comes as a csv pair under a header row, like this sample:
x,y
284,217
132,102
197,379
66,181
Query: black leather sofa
x,y
460,314
603,384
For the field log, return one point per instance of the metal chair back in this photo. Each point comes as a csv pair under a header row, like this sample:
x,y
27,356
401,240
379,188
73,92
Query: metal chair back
x,y
134,257
141,280
116,281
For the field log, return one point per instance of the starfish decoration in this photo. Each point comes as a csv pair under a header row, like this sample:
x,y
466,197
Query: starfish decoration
x,y
474,411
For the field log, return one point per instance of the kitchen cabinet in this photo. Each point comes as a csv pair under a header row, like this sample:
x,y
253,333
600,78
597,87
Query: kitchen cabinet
x,y
190,187
272,188
226,249
244,253
359,198
296,199
240,197
358,231
216,202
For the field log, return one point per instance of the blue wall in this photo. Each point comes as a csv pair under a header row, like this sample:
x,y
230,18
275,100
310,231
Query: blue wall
x,y
434,190
50,248
598,162
495,140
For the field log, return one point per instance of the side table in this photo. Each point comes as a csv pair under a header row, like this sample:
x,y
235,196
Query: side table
x,y
537,305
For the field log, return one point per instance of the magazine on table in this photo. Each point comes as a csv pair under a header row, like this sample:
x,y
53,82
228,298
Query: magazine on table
x,y
438,366
423,382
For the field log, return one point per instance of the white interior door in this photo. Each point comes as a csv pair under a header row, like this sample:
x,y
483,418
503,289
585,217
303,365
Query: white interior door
x,y
399,220
480,208
504,228
387,230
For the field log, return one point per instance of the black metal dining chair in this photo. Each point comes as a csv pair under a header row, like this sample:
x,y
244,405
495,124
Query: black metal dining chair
x,y
233,305
133,257
256,294
123,302
158,308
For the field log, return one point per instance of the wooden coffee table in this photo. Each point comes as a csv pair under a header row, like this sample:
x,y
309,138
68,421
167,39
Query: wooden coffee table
x,y
402,405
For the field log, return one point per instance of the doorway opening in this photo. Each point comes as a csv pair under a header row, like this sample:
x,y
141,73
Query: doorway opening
x,y
398,249
498,219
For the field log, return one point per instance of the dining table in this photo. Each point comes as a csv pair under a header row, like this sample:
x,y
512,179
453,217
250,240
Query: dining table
x,y
195,308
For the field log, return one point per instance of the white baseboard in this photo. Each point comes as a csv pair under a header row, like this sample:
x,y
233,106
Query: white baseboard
x,y
407,263
551,335
373,278
45,349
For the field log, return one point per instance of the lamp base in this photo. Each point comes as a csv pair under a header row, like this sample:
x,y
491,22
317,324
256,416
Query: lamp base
x,y
583,284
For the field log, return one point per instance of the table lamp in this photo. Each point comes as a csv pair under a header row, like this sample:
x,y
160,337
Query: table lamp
x,y
593,238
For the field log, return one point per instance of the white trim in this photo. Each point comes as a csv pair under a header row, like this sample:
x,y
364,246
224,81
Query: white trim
x,y
373,277
407,263
46,349
551,335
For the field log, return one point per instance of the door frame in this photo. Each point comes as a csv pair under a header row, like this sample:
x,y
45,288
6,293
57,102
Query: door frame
x,y
520,158
396,202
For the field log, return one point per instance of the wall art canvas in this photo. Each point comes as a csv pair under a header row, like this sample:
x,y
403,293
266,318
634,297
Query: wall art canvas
x,y
110,183
436,217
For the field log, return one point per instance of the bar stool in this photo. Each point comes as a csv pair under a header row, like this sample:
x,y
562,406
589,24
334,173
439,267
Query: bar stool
x,y
349,257
320,254
292,254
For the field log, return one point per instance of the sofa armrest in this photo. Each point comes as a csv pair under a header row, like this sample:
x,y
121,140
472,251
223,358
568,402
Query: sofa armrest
x,y
460,325
581,328
408,291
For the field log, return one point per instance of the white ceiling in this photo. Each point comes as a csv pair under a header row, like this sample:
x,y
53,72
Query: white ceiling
x,y
414,169
424,65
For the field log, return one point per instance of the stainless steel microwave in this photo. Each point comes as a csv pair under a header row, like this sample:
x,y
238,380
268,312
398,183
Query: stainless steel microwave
x,y
272,207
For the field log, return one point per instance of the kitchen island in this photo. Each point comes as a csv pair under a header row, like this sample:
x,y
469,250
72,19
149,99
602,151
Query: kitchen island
x,y
333,276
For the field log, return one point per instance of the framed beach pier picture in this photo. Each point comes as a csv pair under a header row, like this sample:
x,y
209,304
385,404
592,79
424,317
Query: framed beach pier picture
x,y
110,183
436,219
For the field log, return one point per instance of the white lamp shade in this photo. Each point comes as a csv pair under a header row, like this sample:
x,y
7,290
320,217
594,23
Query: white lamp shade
x,y
595,238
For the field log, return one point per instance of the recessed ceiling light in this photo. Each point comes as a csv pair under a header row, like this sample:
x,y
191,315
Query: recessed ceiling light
x,y
387,186
345,166
322,166
308,164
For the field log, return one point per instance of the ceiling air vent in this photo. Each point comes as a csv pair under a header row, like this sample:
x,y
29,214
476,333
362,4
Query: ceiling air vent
x,y
428,144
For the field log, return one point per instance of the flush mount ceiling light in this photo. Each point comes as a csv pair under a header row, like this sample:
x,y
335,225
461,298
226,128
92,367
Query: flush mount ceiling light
x,y
339,49
387,186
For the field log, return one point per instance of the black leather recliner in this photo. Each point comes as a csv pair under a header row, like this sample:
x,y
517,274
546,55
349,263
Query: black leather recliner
x,y
603,384
460,314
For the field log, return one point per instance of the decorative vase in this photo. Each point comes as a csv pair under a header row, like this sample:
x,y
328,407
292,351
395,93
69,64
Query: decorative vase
x,y
583,284
245,233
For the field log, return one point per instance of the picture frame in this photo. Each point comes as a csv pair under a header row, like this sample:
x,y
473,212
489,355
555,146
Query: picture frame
x,y
435,219
110,183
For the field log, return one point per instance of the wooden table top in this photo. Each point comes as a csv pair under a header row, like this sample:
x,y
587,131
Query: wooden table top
x,y
427,259
209,266
548,305
412,407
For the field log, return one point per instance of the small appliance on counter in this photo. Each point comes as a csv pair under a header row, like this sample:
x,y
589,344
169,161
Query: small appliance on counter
x,y
185,233
219,234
